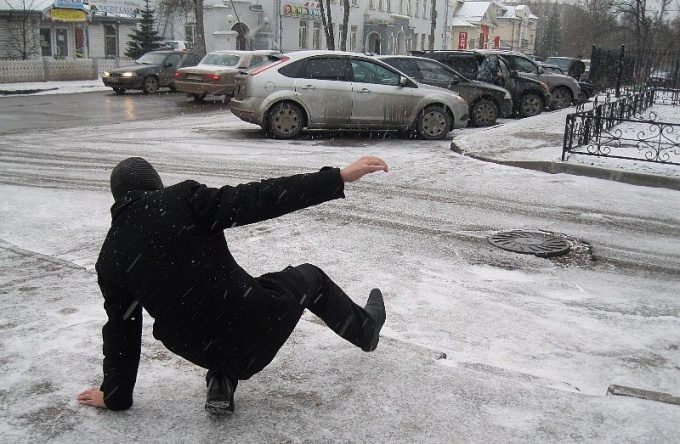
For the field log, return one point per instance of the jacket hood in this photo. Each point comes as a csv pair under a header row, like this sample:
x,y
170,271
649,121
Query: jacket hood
x,y
134,174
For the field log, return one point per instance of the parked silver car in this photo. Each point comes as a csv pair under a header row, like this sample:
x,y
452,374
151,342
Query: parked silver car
x,y
342,90
216,73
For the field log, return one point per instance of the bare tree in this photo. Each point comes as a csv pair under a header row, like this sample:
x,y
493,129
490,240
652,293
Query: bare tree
x,y
433,23
643,18
167,9
23,29
327,21
345,25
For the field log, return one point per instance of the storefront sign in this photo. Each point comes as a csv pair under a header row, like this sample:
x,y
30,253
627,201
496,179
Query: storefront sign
x,y
462,40
68,15
132,8
69,4
308,10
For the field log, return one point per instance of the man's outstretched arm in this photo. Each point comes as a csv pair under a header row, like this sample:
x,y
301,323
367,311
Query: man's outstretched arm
x,y
361,167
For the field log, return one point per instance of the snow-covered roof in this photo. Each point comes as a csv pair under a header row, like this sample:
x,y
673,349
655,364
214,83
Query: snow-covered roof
x,y
472,10
460,22
511,11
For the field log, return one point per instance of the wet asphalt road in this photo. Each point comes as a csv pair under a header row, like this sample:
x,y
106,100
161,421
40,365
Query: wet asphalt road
x,y
57,111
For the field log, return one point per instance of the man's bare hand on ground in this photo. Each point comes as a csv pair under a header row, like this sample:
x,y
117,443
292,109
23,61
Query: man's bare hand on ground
x,y
93,397
361,167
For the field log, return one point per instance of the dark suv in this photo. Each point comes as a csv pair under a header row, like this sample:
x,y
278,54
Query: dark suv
x,y
151,71
487,102
529,96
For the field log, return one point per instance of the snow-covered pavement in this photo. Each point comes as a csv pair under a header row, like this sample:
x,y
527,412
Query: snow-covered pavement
x,y
480,344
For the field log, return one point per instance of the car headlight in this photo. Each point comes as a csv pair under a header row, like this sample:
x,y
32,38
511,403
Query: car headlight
x,y
461,100
507,96
106,74
545,86
129,74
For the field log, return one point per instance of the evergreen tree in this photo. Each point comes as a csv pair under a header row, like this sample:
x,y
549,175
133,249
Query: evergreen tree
x,y
145,38
551,41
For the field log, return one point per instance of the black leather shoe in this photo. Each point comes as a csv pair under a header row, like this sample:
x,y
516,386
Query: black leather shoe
x,y
220,398
375,307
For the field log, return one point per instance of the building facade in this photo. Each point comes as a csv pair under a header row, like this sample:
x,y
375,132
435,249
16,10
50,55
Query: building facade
x,y
101,28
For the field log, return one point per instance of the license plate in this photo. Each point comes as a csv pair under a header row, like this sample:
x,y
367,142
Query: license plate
x,y
194,77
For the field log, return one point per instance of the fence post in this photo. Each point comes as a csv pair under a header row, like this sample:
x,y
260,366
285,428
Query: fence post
x,y
619,71
46,69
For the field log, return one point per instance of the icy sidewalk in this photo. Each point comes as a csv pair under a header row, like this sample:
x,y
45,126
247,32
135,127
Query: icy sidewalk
x,y
400,393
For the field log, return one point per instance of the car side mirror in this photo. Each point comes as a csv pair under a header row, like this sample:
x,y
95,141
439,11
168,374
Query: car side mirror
x,y
403,81
168,65
541,70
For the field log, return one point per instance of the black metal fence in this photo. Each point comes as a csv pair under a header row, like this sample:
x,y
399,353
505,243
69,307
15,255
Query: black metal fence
x,y
628,72
618,130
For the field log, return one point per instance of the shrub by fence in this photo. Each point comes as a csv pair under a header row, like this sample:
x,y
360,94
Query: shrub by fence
x,y
46,69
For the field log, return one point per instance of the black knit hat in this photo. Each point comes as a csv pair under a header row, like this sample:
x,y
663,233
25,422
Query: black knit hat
x,y
134,173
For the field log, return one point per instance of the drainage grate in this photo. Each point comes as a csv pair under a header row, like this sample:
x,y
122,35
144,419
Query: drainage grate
x,y
530,242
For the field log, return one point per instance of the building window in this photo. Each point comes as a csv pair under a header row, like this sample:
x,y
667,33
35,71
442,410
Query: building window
x,y
371,4
62,42
46,42
389,5
381,5
316,36
302,35
110,41
81,49
422,42
418,8
190,32
424,8
355,3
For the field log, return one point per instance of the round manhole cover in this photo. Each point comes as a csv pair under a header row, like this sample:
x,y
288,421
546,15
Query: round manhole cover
x,y
530,242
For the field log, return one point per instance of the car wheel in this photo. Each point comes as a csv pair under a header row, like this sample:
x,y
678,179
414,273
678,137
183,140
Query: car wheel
x,y
172,88
285,121
433,123
561,98
150,85
119,90
530,105
199,97
483,112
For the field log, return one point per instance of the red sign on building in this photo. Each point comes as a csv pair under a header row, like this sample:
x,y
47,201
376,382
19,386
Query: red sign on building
x,y
497,42
462,40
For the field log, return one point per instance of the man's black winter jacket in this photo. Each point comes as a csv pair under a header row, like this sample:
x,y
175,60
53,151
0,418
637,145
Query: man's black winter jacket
x,y
166,252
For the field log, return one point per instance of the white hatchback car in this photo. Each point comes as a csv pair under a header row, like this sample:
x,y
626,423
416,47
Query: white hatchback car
x,y
342,90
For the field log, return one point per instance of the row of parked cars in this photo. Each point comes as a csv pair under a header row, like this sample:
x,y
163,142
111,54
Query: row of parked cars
x,y
429,94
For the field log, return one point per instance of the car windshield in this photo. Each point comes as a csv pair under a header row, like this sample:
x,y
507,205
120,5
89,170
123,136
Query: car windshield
x,y
151,59
173,45
559,61
524,65
432,72
221,59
